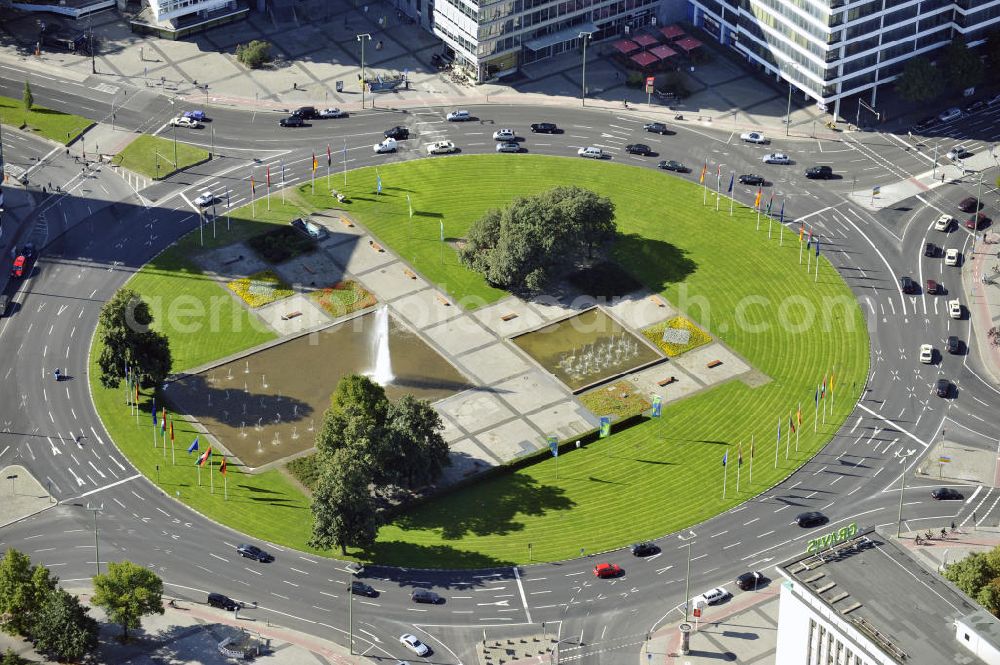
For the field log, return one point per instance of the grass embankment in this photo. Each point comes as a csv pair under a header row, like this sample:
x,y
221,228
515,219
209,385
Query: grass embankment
x,y
664,474
53,125
155,157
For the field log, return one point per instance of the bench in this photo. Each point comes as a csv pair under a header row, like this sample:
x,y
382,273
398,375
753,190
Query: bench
x,y
713,364
346,222
232,261
374,245
409,273
509,316
290,315
441,299
308,269
667,382
658,301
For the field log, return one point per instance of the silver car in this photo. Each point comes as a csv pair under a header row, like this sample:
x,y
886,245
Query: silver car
x,y
508,146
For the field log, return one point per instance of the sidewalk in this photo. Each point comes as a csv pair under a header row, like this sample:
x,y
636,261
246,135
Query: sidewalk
x,y
22,496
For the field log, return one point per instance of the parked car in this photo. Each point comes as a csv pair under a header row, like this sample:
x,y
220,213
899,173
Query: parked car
x,y
644,549
605,570
942,387
926,354
222,602
425,596
907,285
753,137
712,596
943,223
398,132
751,179
671,165
508,146
306,112
823,171
309,229
930,249
292,121
958,152
638,149
458,116
387,145
196,115
414,645
206,198
332,113
750,580
181,121
954,113
504,135
946,494
254,552
544,127
362,589
952,257
953,345
591,152
657,128
776,158
977,221
933,288
955,308
441,148
810,519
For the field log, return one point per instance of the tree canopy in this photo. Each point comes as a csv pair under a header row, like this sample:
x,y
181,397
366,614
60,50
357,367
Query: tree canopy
x,y
522,245
127,340
128,592
919,81
23,588
343,510
63,629
962,66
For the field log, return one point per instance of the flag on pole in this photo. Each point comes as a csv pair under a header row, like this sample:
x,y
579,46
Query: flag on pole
x,y
798,415
409,204
163,421
701,178
253,187
136,393
282,180
751,448
779,431
791,424
605,426
204,457
739,455
781,215
329,156
802,231
725,458
718,178
817,250
732,179
222,467
769,202
378,182
315,163
171,430
441,224
267,175
155,423
194,446
831,384
756,201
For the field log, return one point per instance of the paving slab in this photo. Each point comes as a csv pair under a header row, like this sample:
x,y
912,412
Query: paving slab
x,y
423,309
493,363
564,419
309,272
475,410
696,361
340,228
512,439
460,334
451,431
310,317
22,496
641,309
468,458
361,256
518,314
647,381
230,262
393,281
531,390
551,308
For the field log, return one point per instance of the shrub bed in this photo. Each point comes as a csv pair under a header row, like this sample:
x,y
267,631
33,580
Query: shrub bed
x,y
695,336
619,400
260,288
281,244
343,298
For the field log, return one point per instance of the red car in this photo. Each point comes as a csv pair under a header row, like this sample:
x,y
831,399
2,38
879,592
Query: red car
x,y
18,268
977,221
607,570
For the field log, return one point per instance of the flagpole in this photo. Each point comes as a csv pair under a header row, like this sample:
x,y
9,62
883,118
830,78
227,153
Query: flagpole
x,y
739,467
758,217
173,458
211,476
225,486
725,474
781,236
769,221
253,200
345,162
314,176
800,249
731,200
777,444
282,182
751,459
799,423
808,261
154,436
816,414
788,441
199,474
816,279
228,207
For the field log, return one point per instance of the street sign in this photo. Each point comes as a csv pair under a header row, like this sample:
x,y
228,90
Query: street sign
x,y
876,189
650,83
696,612
944,459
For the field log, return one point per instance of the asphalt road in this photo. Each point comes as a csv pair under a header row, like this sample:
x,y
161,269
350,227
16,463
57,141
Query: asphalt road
x,y
52,429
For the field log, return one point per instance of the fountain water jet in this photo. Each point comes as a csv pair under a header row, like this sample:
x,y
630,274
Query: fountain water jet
x,y
382,374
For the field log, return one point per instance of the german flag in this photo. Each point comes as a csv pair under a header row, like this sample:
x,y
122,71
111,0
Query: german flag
x,y
222,467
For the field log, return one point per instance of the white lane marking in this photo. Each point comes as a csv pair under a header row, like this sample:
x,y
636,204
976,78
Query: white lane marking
x,y
524,600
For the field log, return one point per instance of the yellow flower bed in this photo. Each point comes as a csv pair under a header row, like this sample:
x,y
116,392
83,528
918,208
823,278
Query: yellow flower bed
x,y
698,337
260,289
619,400
343,298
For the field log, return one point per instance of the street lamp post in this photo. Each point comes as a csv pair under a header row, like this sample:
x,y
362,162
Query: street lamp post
x,y
584,37
361,38
97,549
687,584
175,147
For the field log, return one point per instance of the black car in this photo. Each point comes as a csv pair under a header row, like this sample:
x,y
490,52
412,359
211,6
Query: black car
x,y
362,589
942,387
927,122
750,179
809,519
751,580
657,128
977,105
930,249
822,171
953,345
398,132
425,596
907,284
254,552
544,127
638,149
946,494
969,204
644,549
306,112
673,166
222,602
292,121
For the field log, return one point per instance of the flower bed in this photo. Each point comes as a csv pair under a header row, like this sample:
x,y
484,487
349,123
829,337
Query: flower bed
x,y
260,289
343,298
682,335
619,400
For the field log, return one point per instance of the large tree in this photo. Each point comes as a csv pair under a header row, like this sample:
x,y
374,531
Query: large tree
x,y
128,592
919,81
23,589
971,573
961,65
992,48
127,340
417,453
62,628
343,511
591,216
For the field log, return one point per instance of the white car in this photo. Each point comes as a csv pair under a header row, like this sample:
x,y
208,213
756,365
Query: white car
x,y
926,354
388,145
459,116
181,121
776,158
508,146
753,137
958,152
504,135
943,223
413,644
332,113
591,152
954,113
952,257
955,309
712,596
206,198
441,148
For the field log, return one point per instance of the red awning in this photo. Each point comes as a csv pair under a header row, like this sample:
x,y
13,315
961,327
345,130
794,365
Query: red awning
x,y
672,32
626,46
663,52
645,40
688,44
644,59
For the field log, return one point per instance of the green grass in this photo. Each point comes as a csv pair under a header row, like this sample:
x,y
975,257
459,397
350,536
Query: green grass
x,y
146,152
729,279
54,125
619,400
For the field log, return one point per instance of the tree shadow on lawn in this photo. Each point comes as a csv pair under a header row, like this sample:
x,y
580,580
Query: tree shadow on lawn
x,y
412,555
494,507
656,263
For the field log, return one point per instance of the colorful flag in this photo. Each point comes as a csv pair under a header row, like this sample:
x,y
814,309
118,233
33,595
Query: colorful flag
x,y
704,169
222,467
739,455
802,231
779,430
791,424
253,187
817,248
605,426
204,457
657,406
171,430
268,176
781,215
822,391
756,201
725,458
816,396
163,420
315,163
831,383
769,202
153,411
554,446
378,183
798,414
194,446
136,393
732,179
329,157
